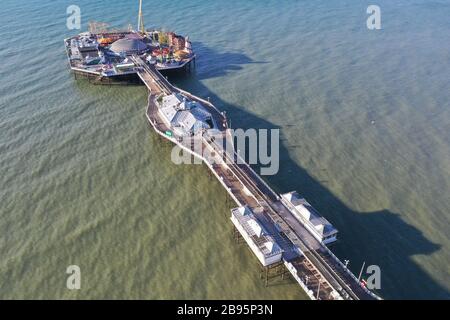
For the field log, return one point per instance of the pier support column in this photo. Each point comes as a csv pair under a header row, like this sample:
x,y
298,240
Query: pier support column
x,y
267,277
236,235
272,271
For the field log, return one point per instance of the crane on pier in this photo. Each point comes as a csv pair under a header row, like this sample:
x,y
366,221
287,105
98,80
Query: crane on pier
x,y
141,27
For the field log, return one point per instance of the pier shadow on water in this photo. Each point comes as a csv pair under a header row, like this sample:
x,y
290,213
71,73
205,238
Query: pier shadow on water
x,y
382,237
212,64
216,64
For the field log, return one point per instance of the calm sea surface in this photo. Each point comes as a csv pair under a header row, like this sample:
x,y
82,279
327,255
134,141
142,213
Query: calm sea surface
x,y
365,126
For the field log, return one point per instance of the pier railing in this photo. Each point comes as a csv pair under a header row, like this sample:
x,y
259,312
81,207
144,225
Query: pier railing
x,y
373,295
245,175
195,154
305,288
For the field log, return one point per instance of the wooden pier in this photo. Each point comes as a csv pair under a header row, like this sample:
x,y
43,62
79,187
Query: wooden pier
x,y
317,270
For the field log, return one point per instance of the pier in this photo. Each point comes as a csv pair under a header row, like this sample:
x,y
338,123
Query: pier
x,y
316,269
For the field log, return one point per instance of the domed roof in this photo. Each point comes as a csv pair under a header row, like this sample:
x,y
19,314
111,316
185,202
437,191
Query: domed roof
x,y
128,45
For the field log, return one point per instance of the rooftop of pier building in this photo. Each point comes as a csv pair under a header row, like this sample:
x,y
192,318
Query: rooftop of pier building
x,y
183,115
260,241
321,225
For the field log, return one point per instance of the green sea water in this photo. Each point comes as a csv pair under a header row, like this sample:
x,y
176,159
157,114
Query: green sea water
x,y
365,126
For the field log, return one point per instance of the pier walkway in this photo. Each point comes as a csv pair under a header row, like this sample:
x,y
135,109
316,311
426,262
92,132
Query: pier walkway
x,y
317,270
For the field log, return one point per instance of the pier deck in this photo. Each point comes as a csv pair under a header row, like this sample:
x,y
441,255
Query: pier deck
x,y
310,262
